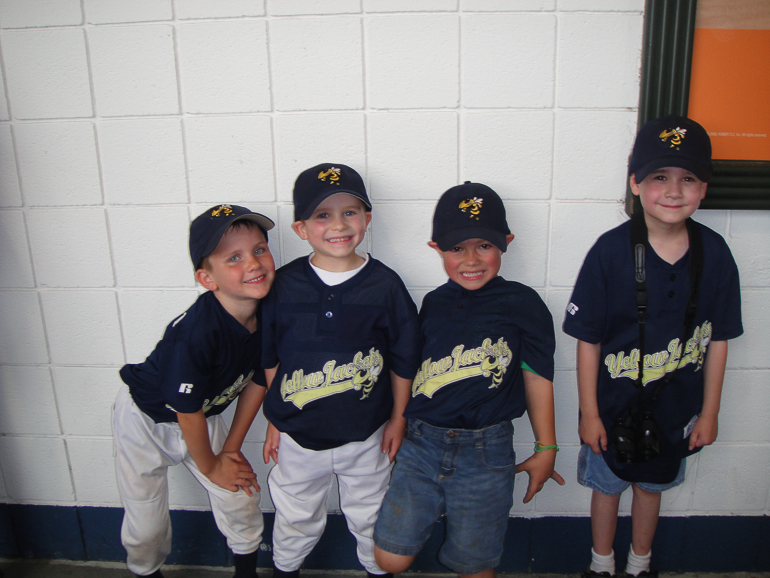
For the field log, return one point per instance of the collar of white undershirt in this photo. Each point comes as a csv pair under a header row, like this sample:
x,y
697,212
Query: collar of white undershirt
x,y
332,278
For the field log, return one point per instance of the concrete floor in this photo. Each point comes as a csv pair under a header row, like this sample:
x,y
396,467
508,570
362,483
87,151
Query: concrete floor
x,y
66,569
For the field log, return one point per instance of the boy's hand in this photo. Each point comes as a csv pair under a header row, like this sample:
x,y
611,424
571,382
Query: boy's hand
x,y
592,432
392,435
704,433
232,471
272,441
539,468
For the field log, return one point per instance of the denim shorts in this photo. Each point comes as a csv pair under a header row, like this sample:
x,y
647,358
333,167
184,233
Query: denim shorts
x,y
594,473
466,475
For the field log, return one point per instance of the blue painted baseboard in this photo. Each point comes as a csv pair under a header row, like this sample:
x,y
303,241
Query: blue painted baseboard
x,y
539,545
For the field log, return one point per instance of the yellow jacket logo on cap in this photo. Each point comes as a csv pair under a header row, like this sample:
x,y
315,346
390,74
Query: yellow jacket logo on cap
x,y
222,211
675,134
333,173
474,205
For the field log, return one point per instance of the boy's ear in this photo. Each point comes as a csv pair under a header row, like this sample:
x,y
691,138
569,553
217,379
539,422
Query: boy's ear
x,y
205,279
632,183
434,245
368,218
508,239
299,228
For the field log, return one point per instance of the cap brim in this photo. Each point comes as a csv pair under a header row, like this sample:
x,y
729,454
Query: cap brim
x,y
455,237
326,194
264,223
698,169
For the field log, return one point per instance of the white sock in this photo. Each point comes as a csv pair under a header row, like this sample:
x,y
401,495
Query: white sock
x,y
601,563
637,564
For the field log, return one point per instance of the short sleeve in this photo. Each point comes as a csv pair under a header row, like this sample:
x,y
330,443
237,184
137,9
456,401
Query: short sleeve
x,y
538,338
727,322
268,330
584,318
403,333
183,381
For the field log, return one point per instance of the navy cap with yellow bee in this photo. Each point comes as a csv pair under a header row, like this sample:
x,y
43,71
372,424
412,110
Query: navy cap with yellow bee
x,y
322,181
207,229
470,211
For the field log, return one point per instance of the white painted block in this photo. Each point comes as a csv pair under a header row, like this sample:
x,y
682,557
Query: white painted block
x,y
145,315
587,166
47,73
599,59
27,402
301,7
143,161
749,241
716,220
565,393
601,5
418,295
512,152
134,70
306,140
527,255
57,163
743,414
292,246
678,501
317,63
93,471
506,5
110,12
44,479
410,5
411,61
10,193
507,60
15,266
70,247
186,9
83,327
229,159
749,350
732,479
223,66
566,346
405,248
30,13
25,344
3,101
149,247
412,155
575,228
86,396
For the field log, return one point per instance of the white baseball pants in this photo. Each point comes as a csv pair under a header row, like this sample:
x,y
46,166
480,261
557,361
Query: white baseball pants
x,y
300,484
143,452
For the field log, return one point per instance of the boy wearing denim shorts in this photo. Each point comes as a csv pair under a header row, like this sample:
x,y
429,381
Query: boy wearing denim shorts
x,y
664,289
487,357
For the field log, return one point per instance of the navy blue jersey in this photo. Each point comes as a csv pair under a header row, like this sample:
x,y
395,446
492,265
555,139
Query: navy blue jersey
x,y
336,346
603,310
205,359
474,343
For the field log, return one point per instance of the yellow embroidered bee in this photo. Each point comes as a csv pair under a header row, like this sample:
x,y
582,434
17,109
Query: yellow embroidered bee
x,y
222,210
473,204
333,173
676,135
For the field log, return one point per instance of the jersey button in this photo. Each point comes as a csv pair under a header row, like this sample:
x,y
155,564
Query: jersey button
x,y
670,293
330,297
673,276
329,314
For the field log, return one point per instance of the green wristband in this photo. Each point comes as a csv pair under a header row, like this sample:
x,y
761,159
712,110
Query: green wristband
x,y
541,448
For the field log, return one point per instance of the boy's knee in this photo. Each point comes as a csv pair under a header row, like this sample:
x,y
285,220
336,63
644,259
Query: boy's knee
x,y
392,563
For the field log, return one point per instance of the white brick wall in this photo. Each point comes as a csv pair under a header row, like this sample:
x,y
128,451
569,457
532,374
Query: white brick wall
x,y
121,121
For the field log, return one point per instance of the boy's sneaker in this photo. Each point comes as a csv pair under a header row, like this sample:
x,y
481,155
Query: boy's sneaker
x,y
278,573
591,574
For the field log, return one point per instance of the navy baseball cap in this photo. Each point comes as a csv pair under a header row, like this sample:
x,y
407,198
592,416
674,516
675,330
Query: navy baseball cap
x,y
671,141
207,229
470,211
322,181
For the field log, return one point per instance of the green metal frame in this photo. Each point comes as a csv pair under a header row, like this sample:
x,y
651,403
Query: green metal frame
x,y
669,30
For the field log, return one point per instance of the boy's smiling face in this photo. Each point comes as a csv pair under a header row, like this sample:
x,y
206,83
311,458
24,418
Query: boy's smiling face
x,y
669,195
334,230
472,263
241,268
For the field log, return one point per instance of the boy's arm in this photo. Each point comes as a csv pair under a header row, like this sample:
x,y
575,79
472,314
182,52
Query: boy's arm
x,y
227,470
539,466
247,406
705,431
272,436
395,429
591,429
